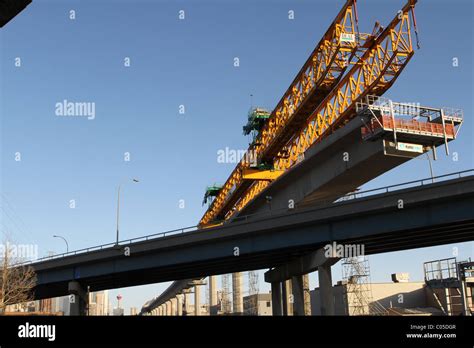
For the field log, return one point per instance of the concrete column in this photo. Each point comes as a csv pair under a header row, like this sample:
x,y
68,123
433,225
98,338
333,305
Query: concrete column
x,y
307,295
187,302
174,306
298,295
287,297
213,295
325,290
179,304
300,286
159,310
78,299
237,301
276,299
168,308
197,300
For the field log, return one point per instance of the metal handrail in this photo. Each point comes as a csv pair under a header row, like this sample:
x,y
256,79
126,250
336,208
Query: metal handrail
x,y
421,182
349,196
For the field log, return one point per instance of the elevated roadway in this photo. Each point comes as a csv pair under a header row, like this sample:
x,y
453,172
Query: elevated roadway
x,y
432,214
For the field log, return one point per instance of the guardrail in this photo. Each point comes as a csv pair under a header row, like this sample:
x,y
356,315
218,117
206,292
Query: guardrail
x,y
114,245
408,184
349,196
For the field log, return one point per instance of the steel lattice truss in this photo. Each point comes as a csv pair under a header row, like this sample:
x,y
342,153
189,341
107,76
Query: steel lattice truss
x,y
321,99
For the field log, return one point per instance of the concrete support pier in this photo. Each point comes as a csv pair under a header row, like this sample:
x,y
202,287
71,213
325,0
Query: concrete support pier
x,y
213,295
297,271
298,295
179,304
173,306
306,295
197,300
287,297
187,302
276,299
78,299
237,300
326,290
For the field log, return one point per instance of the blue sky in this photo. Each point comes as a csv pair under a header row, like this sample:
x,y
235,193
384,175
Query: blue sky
x,y
182,62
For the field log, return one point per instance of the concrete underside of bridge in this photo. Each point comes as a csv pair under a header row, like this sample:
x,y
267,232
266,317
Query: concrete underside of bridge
x,y
434,214
337,165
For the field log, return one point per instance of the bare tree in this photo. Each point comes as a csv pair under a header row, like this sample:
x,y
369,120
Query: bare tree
x,y
16,280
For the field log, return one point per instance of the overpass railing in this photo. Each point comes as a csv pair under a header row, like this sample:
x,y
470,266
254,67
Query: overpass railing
x,y
114,245
408,184
347,197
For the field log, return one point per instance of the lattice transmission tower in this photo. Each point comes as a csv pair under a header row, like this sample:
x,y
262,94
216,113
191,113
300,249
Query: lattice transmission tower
x,y
253,293
226,305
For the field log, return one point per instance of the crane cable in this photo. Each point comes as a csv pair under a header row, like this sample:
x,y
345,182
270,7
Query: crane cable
x,y
412,10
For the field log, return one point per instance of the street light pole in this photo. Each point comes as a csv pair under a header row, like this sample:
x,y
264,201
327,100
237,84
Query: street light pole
x,y
118,209
64,239
118,212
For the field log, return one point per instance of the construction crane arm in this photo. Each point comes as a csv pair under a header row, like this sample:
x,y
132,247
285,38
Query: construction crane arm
x,y
322,70
374,74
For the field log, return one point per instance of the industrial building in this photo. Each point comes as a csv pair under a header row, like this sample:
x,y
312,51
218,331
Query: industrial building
x,y
441,293
258,304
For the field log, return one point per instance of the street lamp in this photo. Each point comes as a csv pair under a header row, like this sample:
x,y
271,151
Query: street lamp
x,y
118,208
64,239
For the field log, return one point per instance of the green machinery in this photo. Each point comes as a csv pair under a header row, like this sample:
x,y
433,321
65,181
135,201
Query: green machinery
x,y
211,191
256,119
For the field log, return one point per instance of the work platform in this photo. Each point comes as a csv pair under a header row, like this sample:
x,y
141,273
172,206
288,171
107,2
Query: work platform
x,y
408,129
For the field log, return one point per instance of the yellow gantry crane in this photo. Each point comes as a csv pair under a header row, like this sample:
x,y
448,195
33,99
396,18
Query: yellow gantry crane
x,y
321,98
